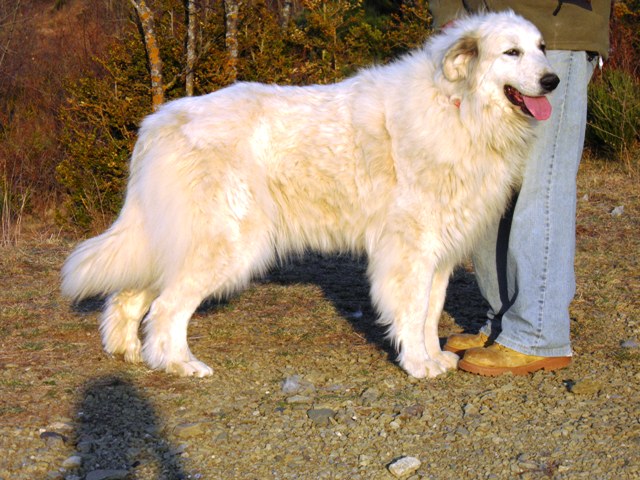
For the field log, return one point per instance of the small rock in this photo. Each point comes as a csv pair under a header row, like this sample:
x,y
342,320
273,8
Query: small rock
x,y
54,475
73,461
320,416
53,439
296,384
395,424
189,430
416,410
470,410
631,343
107,475
291,384
404,466
364,460
369,396
585,387
617,211
61,426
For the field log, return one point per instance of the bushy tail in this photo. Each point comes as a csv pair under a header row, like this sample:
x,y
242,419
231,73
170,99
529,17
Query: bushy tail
x,y
118,259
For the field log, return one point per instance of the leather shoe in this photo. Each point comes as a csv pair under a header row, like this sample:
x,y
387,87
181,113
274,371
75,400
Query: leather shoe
x,y
461,342
497,359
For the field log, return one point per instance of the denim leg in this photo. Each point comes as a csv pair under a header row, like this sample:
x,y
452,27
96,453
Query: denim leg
x,y
527,275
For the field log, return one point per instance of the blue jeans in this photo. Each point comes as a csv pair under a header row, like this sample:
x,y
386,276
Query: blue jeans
x,y
525,265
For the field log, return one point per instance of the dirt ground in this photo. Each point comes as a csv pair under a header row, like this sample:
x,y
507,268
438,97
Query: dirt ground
x,y
304,385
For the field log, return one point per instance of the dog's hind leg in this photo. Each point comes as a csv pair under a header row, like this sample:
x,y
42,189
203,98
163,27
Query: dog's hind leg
x,y
220,265
165,344
120,321
437,296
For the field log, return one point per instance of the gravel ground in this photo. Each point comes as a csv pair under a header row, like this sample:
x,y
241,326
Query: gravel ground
x,y
305,386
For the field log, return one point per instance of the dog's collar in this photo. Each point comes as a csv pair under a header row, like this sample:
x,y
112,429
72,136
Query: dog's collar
x,y
456,102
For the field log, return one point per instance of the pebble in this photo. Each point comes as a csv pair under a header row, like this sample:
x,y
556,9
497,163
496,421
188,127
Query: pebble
x,y
291,384
320,416
189,430
74,461
412,411
471,410
369,396
61,426
631,343
586,386
53,439
296,384
617,211
404,466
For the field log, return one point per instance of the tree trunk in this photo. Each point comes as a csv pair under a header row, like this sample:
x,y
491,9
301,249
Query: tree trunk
x,y
153,51
191,45
231,11
286,14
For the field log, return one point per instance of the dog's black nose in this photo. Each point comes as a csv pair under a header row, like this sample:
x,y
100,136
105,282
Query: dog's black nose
x,y
549,81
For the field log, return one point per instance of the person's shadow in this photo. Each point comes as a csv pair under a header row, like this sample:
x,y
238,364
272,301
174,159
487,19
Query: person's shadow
x,y
118,431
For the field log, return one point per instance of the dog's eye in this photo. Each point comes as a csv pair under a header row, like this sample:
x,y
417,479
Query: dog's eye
x,y
513,52
543,47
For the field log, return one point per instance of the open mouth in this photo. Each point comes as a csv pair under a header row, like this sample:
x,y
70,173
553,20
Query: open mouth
x,y
536,107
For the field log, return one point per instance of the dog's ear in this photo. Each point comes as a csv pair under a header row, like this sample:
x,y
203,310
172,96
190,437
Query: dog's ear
x,y
459,58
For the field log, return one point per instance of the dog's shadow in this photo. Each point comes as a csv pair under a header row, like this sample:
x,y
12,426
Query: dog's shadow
x,y
344,282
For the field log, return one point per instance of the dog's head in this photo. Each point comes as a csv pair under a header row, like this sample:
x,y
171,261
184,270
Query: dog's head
x,y
502,57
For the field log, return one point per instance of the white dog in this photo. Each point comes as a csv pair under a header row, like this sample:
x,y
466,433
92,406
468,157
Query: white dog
x,y
407,162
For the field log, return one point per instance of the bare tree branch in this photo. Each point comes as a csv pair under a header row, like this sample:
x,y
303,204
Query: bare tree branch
x,y
145,15
286,14
231,12
191,45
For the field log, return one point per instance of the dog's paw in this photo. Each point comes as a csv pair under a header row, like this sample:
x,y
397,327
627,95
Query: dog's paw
x,y
133,355
422,367
131,350
416,368
430,367
191,368
448,360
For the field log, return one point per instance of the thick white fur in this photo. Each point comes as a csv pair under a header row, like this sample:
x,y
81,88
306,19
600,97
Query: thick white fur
x,y
384,162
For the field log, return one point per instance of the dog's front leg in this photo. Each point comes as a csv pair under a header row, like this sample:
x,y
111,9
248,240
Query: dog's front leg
x,y
417,333
437,294
400,288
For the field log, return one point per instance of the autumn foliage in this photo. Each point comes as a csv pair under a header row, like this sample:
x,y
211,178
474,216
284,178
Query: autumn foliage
x,y
76,78
321,42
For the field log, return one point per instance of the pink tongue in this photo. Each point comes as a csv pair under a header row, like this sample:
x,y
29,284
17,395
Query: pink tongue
x,y
539,107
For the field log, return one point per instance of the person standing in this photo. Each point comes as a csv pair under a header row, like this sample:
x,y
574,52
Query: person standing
x,y
525,264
